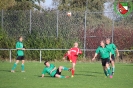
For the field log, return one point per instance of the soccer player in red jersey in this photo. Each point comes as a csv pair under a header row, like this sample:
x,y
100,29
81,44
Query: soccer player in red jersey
x,y
72,55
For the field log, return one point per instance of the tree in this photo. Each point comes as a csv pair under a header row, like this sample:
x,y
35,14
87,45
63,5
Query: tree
x,y
20,4
91,5
5,4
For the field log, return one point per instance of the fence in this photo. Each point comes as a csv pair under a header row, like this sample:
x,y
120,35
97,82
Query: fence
x,y
87,28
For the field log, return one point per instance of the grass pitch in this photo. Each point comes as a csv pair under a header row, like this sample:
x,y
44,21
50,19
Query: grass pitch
x,y
87,75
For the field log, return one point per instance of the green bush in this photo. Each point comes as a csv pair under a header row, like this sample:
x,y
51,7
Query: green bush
x,y
32,42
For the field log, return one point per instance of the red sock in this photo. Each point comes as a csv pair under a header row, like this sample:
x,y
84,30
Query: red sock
x,y
73,72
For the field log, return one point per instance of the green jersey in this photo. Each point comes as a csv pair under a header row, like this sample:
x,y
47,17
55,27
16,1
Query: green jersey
x,y
19,52
112,47
104,52
49,69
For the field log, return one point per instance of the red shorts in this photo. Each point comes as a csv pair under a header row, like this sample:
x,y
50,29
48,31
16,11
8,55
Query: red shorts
x,y
73,58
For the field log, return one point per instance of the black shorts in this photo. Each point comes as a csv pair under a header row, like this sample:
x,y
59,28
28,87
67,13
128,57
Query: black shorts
x,y
105,61
20,58
57,72
113,57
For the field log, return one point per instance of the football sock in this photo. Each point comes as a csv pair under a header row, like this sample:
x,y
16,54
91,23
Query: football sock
x,y
108,70
14,66
22,67
105,72
62,76
113,69
73,71
65,68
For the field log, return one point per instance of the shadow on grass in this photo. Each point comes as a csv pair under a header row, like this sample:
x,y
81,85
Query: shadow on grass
x,y
87,75
6,70
39,76
92,72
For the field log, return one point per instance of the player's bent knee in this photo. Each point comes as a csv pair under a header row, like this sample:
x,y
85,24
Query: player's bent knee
x,y
107,65
22,61
57,76
17,61
60,67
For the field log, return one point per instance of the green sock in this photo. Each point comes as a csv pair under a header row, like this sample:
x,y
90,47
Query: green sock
x,y
62,76
22,67
14,66
105,72
113,69
65,68
108,70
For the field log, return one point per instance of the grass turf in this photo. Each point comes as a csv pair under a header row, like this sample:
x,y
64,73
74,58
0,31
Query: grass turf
x,y
87,75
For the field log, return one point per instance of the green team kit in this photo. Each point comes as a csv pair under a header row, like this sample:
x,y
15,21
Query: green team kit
x,y
49,69
104,52
105,56
112,47
55,72
20,55
19,51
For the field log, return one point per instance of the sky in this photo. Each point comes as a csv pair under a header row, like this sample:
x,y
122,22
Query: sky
x,y
108,9
107,5
47,4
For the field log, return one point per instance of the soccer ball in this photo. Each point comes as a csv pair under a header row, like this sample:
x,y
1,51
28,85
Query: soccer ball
x,y
69,14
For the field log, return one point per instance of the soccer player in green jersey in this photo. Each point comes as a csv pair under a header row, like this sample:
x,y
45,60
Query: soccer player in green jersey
x,y
20,55
105,55
53,71
113,48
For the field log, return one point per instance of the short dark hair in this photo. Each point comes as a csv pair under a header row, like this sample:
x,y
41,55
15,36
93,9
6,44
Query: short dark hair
x,y
45,62
20,37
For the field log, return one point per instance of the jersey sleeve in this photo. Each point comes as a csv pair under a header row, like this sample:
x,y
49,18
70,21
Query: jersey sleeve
x,y
44,71
114,46
66,54
79,51
17,45
97,50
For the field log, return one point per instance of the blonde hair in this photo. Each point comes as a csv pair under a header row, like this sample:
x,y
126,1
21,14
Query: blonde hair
x,y
103,41
107,38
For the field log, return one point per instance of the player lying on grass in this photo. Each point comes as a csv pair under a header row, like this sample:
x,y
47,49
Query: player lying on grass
x,y
53,71
113,48
105,55
72,55
20,55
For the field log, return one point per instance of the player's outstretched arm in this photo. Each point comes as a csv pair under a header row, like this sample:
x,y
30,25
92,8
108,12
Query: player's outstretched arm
x,y
80,52
63,58
42,75
117,51
68,52
94,56
110,56
20,48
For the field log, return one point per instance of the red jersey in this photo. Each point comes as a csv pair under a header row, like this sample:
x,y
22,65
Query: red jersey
x,y
73,54
75,51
